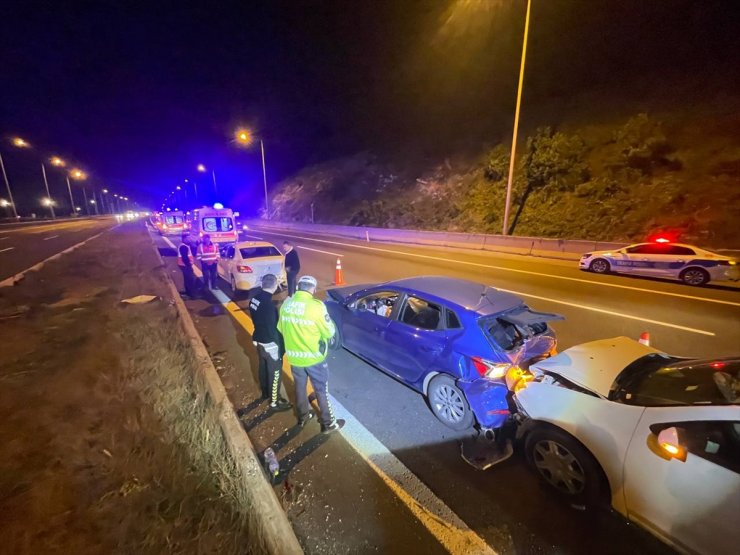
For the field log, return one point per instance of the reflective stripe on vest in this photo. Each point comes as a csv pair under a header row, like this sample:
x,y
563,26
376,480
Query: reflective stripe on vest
x,y
208,253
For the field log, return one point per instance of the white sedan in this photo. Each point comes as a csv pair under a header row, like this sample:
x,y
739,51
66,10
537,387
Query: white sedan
x,y
243,264
662,259
654,436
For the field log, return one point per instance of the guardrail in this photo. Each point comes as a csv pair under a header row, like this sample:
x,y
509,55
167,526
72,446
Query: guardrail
x,y
532,246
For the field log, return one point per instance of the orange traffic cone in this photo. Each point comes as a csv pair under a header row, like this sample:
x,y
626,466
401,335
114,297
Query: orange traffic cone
x,y
645,338
338,278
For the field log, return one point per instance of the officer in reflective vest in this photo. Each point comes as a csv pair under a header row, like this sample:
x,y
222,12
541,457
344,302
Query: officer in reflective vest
x,y
185,262
307,329
208,255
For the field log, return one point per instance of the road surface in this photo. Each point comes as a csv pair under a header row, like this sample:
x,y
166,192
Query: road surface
x,y
23,245
504,506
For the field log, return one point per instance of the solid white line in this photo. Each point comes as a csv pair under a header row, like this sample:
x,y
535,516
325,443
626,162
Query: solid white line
x,y
3,238
611,313
52,237
8,249
441,521
504,268
317,250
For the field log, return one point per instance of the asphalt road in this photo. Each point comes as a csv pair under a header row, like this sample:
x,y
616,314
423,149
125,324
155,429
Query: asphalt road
x,y
23,245
505,505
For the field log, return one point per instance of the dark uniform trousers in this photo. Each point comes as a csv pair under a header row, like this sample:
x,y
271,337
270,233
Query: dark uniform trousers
x,y
319,376
270,375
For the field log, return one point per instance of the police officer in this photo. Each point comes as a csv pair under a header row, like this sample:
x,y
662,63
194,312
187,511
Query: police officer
x,y
269,343
208,255
185,262
307,328
292,266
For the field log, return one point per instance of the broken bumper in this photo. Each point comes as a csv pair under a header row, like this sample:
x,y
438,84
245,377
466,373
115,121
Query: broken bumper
x,y
488,401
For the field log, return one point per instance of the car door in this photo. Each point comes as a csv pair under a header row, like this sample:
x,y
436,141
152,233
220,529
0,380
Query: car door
x,y
642,259
415,340
692,503
226,261
363,329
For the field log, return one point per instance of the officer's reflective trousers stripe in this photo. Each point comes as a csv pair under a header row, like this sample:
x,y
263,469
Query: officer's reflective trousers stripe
x,y
270,375
319,376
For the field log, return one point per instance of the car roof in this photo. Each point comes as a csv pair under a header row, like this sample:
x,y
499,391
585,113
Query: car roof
x,y
471,295
698,250
244,244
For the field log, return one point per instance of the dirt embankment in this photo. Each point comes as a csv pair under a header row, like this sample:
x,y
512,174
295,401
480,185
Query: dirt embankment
x,y
106,444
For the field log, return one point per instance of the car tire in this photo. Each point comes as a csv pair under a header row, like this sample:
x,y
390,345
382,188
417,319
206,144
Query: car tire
x,y
234,290
694,276
562,463
448,403
600,266
336,342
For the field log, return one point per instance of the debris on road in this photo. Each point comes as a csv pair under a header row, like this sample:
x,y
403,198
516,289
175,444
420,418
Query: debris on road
x,y
140,299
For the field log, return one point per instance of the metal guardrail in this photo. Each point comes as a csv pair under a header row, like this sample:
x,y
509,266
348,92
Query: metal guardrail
x,y
533,246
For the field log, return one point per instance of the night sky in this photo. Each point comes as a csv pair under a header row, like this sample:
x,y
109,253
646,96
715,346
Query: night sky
x,y
139,93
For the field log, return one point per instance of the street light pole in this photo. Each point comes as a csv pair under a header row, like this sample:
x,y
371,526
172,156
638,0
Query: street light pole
x,y
48,194
7,186
510,181
215,189
71,198
264,178
87,206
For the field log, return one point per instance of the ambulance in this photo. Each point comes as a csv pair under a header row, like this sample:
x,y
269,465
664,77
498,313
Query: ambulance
x,y
172,223
218,222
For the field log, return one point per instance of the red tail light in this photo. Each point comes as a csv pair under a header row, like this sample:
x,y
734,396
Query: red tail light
x,y
488,369
243,269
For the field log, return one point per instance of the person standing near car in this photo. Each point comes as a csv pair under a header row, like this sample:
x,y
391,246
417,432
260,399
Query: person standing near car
x,y
269,343
292,266
208,256
185,262
307,329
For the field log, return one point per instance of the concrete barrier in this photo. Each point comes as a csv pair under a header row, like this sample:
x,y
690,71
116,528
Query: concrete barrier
x,y
568,249
267,518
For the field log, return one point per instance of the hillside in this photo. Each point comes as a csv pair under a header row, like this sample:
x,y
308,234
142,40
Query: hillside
x,y
618,179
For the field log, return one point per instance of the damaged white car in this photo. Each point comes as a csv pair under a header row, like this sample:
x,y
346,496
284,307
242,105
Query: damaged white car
x,y
654,436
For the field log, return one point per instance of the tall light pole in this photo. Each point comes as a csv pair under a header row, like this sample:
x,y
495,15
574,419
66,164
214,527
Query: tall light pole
x,y
71,198
48,194
244,137
505,229
7,186
78,175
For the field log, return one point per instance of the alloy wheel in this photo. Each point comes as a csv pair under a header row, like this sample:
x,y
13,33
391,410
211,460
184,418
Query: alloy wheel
x,y
559,467
449,404
694,277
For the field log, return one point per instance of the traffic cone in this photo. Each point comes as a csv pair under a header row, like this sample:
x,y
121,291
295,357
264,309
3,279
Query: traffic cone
x,y
645,338
338,278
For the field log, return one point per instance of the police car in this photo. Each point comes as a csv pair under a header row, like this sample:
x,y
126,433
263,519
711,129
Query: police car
x,y
663,259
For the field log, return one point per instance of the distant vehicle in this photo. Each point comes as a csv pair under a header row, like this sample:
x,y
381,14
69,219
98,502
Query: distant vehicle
x,y
654,436
663,259
450,339
172,223
243,264
218,222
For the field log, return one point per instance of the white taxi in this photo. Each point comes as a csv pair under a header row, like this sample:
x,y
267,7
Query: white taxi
x,y
663,259
243,264
656,437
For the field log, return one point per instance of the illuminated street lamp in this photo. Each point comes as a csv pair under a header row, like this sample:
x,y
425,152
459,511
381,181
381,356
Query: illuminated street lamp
x,y
20,143
510,180
48,194
244,138
202,169
7,186
58,162
78,174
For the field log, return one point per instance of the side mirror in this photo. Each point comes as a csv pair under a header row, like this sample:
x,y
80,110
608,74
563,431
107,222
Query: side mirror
x,y
668,444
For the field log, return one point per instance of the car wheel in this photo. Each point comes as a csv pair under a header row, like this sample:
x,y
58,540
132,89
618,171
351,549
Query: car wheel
x,y
566,466
600,266
448,403
694,276
234,290
335,343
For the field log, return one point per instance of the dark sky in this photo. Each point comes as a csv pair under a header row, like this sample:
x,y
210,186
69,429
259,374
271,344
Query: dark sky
x,y
138,93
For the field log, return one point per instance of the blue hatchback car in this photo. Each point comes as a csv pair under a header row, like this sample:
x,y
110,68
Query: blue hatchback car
x,y
450,339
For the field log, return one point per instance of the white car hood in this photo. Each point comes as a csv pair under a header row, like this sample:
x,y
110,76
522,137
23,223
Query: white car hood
x,y
594,365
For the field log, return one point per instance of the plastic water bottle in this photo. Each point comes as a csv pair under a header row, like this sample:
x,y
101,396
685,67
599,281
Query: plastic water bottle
x,y
271,463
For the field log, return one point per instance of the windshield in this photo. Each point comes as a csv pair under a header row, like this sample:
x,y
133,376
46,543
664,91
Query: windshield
x,y
259,252
217,224
657,380
173,220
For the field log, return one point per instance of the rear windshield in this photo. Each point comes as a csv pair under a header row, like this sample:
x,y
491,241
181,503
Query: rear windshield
x,y
508,336
259,252
173,219
218,224
657,380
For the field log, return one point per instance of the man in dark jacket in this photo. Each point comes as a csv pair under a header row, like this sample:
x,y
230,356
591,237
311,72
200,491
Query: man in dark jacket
x,y
269,343
292,266
185,262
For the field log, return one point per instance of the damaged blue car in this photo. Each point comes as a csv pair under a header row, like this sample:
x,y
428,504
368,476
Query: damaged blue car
x,y
450,339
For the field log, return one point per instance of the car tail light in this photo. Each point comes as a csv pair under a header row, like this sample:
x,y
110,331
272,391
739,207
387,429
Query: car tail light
x,y
488,369
243,269
164,226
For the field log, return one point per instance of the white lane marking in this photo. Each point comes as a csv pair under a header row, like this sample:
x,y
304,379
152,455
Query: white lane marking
x,y
504,268
611,313
441,521
52,237
3,238
317,250
197,271
8,249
